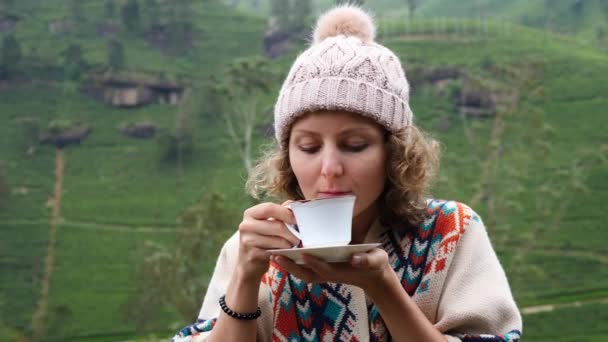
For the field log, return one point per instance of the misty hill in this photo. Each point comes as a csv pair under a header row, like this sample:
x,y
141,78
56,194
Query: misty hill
x,y
586,19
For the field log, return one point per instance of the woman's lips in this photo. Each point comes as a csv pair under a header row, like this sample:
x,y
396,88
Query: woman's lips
x,y
334,193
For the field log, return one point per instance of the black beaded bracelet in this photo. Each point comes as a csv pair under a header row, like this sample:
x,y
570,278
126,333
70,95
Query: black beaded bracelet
x,y
229,312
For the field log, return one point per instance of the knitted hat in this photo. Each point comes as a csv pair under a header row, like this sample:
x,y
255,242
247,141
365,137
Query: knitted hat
x,y
344,69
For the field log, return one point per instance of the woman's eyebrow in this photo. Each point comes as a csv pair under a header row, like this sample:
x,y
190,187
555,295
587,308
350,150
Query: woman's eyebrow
x,y
342,132
356,130
305,131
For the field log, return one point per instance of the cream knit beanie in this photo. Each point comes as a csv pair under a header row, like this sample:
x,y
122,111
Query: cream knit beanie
x,y
344,69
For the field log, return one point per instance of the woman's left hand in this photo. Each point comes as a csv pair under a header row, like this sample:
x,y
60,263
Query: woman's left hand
x,y
364,270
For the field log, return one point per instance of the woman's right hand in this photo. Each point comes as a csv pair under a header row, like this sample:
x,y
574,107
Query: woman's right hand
x,y
262,229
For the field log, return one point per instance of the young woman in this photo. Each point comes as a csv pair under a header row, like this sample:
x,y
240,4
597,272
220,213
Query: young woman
x,y
344,127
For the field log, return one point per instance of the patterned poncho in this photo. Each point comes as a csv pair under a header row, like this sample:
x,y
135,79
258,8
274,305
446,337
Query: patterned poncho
x,y
447,266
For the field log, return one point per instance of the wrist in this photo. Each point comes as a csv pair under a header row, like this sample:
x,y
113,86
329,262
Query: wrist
x,y
242,294
243,280
247,273
386,283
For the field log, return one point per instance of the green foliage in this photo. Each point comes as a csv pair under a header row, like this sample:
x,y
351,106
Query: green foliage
x,y
171,276
303,15
180,24
279,10
291,16
77,13
4,188
116,55
11,56
109,9
354,2
74,62
130,15
31,131
152,13
59,125
246,77
7,6
243,91
175,146
412,5
453,89
556,325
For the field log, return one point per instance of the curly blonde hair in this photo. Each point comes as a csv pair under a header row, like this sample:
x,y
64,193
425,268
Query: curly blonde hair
x,y
412,163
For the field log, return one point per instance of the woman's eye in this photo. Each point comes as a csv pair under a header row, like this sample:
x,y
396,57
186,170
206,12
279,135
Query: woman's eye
x,y
309,148
355,147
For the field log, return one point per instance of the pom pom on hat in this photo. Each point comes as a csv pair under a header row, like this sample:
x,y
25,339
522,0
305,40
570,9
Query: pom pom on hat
x,y
345,20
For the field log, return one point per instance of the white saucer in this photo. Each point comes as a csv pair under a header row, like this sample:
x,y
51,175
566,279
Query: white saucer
x,y
326,253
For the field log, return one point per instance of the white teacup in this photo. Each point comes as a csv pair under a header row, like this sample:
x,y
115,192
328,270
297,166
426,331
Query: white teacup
x,y
323,222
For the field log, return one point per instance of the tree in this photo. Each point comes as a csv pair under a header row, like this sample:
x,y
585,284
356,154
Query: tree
x,y
412,5
578,6
73,62
172,277
180,24
243,88
116,55
600,35
10,57
4,189
303,11
178,146
31,133
7,6
152,13
130,15
352,2
77,12
109,9
279,14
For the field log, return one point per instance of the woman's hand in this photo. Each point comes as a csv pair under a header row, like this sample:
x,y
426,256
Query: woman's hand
x,y
365,270
263,229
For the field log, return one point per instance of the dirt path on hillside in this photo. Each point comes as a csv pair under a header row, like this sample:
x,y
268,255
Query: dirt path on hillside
x,y
531,310
488,172
39,316
125,228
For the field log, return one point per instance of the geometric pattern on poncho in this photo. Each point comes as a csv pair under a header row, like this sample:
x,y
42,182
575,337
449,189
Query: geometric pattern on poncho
x,y
322,312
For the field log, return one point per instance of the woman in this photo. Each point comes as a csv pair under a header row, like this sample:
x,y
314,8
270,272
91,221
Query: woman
x,y
343,126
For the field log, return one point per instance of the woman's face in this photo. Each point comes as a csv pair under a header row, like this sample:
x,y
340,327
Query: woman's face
x,y
338,153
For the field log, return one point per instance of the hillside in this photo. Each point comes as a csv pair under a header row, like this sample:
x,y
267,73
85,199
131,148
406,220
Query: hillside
x,y
534,166
117,192
585,19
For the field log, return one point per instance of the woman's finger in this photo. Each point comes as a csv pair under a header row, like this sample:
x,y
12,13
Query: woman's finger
x,y
322,268
287,202
268,227
265,242
306,274
264,211
374,259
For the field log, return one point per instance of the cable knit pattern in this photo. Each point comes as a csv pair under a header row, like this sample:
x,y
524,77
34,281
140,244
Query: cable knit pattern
x,y
447,266
344,72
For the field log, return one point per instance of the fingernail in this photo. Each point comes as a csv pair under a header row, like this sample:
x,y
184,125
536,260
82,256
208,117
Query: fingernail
x,y
357,260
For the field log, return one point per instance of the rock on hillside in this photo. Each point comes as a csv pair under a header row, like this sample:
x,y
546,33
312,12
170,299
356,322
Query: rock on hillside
x,y
141,130
69,136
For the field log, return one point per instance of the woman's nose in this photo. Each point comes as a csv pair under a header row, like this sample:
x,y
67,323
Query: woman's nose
x,y
331,164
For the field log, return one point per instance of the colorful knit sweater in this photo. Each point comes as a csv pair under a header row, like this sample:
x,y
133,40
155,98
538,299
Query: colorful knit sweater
x,y
447,266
